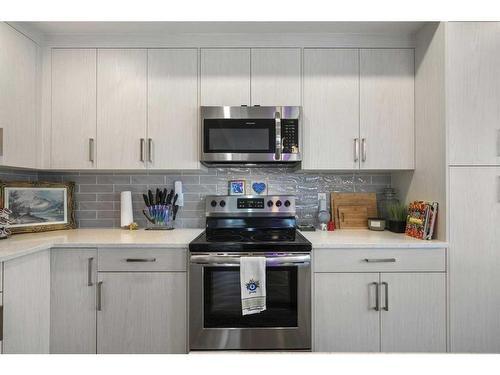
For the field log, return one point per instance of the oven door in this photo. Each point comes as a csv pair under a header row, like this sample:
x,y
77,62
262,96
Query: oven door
x,y
216,320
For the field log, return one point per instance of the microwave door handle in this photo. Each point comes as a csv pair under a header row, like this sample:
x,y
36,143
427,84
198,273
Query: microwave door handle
x,y
277,120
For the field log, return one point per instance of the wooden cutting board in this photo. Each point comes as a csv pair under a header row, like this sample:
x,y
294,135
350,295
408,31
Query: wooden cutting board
x,y
353,208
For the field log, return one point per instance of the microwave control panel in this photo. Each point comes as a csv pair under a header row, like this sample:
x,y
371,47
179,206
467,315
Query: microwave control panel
x,y
290,136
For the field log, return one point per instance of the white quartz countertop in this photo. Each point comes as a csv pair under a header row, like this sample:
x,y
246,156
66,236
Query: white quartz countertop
x,y
364,238
23,244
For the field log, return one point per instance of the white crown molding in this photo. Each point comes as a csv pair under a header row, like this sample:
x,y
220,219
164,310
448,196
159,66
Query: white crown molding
x,y
323,40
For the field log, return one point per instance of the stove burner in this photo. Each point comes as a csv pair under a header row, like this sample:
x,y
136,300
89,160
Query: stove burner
x,y
225,238
272,236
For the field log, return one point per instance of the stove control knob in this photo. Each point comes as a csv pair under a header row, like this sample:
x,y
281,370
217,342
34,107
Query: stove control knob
x,y
222,203
278,203
287,203
213,203
270,203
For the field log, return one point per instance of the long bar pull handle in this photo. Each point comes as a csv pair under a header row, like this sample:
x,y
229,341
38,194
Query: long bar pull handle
x,y
386,291
363,149
498,143
89,272
99,296
91,150
143,149
380,260
277,119
150,150
1,141
356,149
377,297
131,260
1,323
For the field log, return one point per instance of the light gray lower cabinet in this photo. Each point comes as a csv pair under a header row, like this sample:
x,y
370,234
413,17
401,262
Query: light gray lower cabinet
x,y
72,301
141,312
26,304
371,312
345,320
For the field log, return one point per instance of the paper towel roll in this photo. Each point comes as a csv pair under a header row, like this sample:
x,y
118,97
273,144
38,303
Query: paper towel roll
x,y
178,191
126,214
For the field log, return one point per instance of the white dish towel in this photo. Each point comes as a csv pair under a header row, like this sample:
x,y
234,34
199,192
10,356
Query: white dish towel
x,y
253,284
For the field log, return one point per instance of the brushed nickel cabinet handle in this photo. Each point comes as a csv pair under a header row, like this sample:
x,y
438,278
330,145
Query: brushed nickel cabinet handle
x,y
386,290
140,260
1,323
99,296
498,143
356,149
1,141
377,296
91,150
150,150
380,260
143,150
89,272
363,149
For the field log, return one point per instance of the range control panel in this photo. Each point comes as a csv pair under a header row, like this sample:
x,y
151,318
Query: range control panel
x,y
239,205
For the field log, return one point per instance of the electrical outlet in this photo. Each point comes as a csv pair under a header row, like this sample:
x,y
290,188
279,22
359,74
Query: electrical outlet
x,y
322,196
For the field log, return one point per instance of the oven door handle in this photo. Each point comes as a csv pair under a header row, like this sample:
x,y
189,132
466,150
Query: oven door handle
x,y
234,260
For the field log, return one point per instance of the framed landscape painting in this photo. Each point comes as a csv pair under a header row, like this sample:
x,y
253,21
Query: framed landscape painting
x,y
38,206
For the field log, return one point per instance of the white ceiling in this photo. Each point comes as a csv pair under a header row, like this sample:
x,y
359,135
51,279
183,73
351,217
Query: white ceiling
x,y
223,27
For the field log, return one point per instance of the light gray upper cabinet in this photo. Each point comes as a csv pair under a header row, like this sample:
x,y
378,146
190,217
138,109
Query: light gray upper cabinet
x,y
344,315
225,76
26,304
73,108
474,259
473,92
173,123
73,301
275,76
142,312
18,99
387,109
122,108
331,109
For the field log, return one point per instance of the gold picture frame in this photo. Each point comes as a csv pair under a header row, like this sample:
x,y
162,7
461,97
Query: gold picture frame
x,y
39,206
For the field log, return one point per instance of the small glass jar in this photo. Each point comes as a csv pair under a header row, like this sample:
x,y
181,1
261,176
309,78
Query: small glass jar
x,y
388,199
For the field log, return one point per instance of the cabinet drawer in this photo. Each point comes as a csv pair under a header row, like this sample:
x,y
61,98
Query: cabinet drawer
x,y
380,260
135,259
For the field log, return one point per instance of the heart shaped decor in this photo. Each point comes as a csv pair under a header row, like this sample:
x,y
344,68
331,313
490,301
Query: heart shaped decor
x,y
259,187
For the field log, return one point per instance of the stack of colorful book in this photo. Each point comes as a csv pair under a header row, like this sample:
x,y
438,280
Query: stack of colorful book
x,y
421,219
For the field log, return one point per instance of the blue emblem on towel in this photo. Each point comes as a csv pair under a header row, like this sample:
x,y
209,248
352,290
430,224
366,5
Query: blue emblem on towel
x,y
252,286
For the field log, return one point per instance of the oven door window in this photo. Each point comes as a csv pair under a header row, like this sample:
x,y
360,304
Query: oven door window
x,y
222,299
239,136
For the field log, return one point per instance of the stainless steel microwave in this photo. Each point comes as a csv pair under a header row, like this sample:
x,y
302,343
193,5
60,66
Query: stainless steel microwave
x,y
250,135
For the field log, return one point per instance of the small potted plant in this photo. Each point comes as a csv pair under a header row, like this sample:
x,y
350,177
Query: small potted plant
x,y
397,218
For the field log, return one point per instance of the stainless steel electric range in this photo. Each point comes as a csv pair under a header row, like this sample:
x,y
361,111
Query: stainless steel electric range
x,y
239,226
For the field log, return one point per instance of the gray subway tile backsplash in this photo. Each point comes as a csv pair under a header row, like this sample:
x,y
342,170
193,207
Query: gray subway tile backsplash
x,y
97,194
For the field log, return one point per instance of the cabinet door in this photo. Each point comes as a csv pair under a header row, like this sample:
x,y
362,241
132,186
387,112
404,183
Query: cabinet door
x,y
26,304
173,109
18,93
73,274
73,108
225,76
473,92
413,314
344,316
331,108
121,108
275,76
142,312
474,259
387,108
